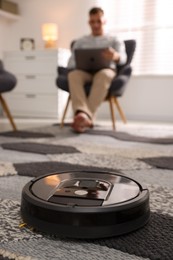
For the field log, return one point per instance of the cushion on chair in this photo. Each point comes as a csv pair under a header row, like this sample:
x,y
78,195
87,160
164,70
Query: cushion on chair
x,y
116,89
118,85
7,81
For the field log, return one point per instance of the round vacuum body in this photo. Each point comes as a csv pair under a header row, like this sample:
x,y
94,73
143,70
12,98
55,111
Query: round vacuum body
x,y
85,204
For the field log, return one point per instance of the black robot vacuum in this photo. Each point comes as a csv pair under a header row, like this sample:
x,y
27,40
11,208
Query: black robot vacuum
x,y
85,204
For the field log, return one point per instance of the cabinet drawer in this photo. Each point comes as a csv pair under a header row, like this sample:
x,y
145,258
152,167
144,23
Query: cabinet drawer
x,y
34,65
32,105
32,83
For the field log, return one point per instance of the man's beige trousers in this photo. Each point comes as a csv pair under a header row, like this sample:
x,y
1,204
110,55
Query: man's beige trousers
x,y
100,84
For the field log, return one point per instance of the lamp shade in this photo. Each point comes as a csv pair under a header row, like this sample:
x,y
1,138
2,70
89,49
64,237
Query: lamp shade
x,y
50,34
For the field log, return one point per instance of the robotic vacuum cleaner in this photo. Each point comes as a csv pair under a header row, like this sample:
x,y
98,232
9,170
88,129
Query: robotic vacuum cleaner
x,y
85,204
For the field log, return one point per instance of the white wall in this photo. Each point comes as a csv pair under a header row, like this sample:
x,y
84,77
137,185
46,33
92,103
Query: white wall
x,y
146,98
2,40
70,16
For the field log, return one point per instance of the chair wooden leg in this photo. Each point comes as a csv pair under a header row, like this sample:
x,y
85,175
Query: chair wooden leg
x,y
120,110
111,103
7,111
65,111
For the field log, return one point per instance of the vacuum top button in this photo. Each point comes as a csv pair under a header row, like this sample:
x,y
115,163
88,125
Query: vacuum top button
x,y
81,192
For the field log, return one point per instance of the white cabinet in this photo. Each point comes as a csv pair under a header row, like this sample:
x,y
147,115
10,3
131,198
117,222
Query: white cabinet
x,y
35,94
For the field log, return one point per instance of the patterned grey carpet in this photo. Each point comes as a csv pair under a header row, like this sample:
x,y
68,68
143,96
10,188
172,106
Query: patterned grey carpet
x,y
29,154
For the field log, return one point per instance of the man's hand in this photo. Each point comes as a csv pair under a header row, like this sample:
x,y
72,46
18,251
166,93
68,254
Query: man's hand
x,y
111,54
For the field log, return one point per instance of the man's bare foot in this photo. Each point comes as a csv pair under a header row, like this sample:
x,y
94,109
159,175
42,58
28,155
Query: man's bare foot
x,y
81,123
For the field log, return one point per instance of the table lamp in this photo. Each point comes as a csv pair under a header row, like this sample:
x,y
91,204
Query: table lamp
x,y
50,35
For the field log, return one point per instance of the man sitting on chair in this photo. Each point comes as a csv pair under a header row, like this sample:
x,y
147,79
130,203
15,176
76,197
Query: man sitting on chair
x,y
84,107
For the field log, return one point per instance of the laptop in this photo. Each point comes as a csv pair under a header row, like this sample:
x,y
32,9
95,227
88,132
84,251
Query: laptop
x,y
91,60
